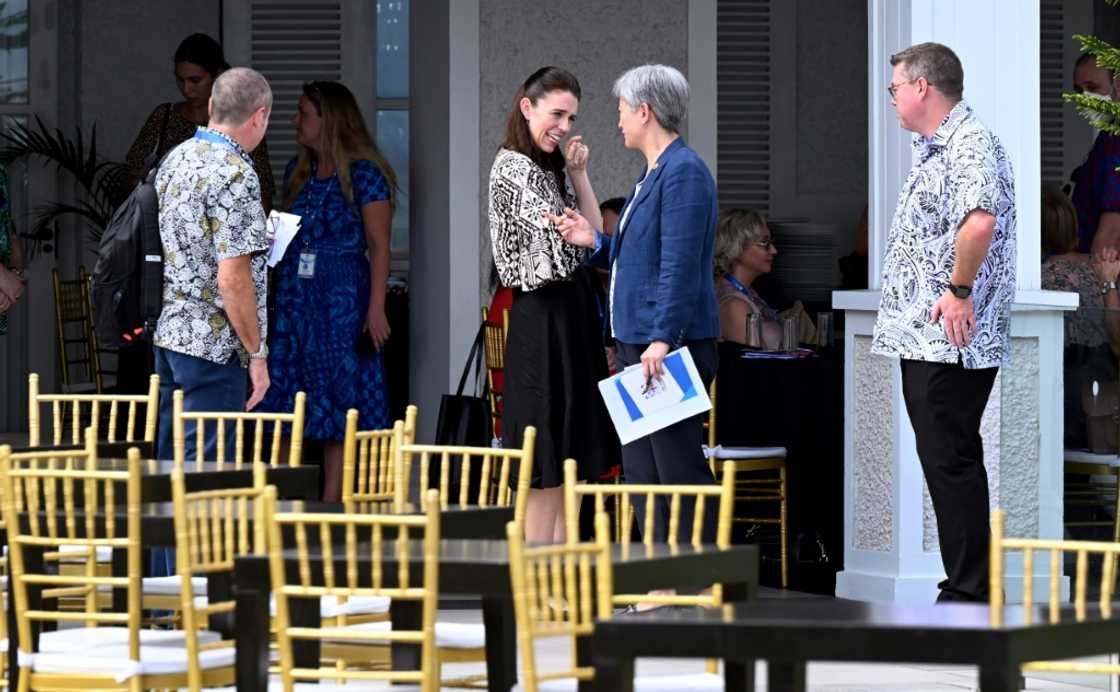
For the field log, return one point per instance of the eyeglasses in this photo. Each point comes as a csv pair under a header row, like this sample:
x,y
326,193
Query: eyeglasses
x,y
766,244
893,88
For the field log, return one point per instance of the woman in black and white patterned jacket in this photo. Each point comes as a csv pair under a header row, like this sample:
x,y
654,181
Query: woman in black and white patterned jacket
x,y
554,354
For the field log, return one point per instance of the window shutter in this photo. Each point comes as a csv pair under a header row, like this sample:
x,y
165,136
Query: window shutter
x,y
743,83
1051,58
293,42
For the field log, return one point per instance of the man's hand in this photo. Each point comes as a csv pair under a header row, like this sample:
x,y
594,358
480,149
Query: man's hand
x,y
575,155
574,227
258,382
651,360
377,325
960,321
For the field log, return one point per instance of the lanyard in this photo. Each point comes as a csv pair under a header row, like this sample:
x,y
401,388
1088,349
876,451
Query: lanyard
x,y
211,136
752,295
318,209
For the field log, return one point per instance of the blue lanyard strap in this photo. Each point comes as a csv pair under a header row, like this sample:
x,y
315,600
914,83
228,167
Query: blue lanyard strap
x,y
752,295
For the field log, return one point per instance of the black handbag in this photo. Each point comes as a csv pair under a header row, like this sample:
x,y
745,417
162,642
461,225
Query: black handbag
x,y
465,419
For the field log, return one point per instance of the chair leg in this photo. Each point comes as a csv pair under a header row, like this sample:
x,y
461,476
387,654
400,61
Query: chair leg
x,y
782,530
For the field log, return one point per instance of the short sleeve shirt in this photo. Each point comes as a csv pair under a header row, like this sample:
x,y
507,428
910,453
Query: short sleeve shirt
x,y
1096,188
209,210
961,168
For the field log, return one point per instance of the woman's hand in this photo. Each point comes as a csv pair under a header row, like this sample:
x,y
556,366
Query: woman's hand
x,y
574,227
11,288
575,154
377,325
1106,265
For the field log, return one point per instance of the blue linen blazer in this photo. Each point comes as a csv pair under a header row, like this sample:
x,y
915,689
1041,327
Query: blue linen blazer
x,y
662,258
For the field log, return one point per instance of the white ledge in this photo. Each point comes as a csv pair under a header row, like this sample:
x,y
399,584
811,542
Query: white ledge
x,y
1025,301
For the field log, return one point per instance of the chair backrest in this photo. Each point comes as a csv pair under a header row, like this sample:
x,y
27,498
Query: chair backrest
x,y
558,591
367,459
69,501
212,528
409,537
221,421
77,344
1055,551
711,423
495,466
77,411
494,350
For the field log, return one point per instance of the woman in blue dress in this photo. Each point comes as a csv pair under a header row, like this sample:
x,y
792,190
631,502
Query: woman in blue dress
x,y
329,324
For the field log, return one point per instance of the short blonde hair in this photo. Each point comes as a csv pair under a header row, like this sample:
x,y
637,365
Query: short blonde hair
x,y
737,228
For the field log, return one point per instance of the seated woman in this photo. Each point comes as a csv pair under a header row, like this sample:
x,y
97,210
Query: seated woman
x,y
1090,353
744,251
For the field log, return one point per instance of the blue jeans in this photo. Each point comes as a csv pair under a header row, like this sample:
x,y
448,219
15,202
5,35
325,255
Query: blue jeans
x,y
207,386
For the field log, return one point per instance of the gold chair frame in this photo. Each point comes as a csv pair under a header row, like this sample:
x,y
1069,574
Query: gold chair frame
x,y
76,403
1055,549
239,418
72,305
755,489
494,351
368,457
344,583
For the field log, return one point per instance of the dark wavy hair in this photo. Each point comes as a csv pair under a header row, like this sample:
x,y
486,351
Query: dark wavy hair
x,y
517,137
204,51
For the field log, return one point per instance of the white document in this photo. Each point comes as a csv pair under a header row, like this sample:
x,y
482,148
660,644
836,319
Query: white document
x,y
638,410
282,227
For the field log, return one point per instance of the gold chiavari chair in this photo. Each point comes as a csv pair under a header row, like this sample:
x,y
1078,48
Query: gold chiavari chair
x,y
78,503
291,529
560,591
761,479
367,459
77,341
465,643
1055,550
221,420
494,352
76,411
624,495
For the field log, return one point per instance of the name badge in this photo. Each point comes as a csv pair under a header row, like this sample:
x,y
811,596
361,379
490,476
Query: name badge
x,y
306,265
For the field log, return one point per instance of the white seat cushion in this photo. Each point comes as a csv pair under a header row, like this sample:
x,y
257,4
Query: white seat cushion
x,y
449,635
113,660
1079,457
82,638
274,685
172,585
330,607
104,554
721,452
698,682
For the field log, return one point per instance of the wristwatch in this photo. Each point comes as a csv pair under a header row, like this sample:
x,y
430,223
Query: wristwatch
x,y
261,354
961,292
1107,286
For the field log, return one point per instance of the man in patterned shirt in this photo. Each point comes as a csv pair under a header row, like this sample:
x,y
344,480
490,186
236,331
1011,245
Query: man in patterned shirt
x,y
214,283
948,283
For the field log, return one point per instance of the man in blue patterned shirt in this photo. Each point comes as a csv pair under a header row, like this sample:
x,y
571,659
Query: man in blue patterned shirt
x,y
948,284
212,226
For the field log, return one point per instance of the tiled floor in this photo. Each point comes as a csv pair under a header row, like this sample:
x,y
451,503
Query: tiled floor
x,y
823,677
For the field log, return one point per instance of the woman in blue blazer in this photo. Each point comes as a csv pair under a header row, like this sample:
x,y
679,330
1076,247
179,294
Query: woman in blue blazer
x,y
661,292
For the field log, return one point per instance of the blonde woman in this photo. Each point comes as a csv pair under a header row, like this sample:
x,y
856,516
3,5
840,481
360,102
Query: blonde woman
x,y
744,251
329,325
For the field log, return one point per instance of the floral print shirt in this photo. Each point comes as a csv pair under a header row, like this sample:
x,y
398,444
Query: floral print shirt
x,y
209,210
1085,325
961,168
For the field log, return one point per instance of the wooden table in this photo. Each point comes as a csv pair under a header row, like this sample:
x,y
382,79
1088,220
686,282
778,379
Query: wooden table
x,y
788,634
477,567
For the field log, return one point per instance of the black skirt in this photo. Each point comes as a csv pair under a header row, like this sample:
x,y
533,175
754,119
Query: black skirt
x,y
554,361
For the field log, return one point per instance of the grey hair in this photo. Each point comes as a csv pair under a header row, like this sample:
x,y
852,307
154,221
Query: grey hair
x,y
237,94
937,63
736,229
663,87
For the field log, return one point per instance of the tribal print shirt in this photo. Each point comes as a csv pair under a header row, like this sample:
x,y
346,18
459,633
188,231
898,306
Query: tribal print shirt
x,y
963,167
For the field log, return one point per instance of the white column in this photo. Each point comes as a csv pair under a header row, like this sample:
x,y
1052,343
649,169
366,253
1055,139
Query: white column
x,y
890,535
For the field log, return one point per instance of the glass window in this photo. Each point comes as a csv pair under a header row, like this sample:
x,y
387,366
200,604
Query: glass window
x,y
392,139
15,35
392,49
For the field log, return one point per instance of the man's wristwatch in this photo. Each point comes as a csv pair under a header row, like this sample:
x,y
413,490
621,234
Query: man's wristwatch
x,y
261,354
961,291
1107,286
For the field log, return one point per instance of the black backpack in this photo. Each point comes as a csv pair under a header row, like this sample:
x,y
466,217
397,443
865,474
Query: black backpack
x,y
127,286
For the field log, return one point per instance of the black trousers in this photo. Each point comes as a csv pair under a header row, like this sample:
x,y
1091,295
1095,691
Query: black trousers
x,y
945,403
673,455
